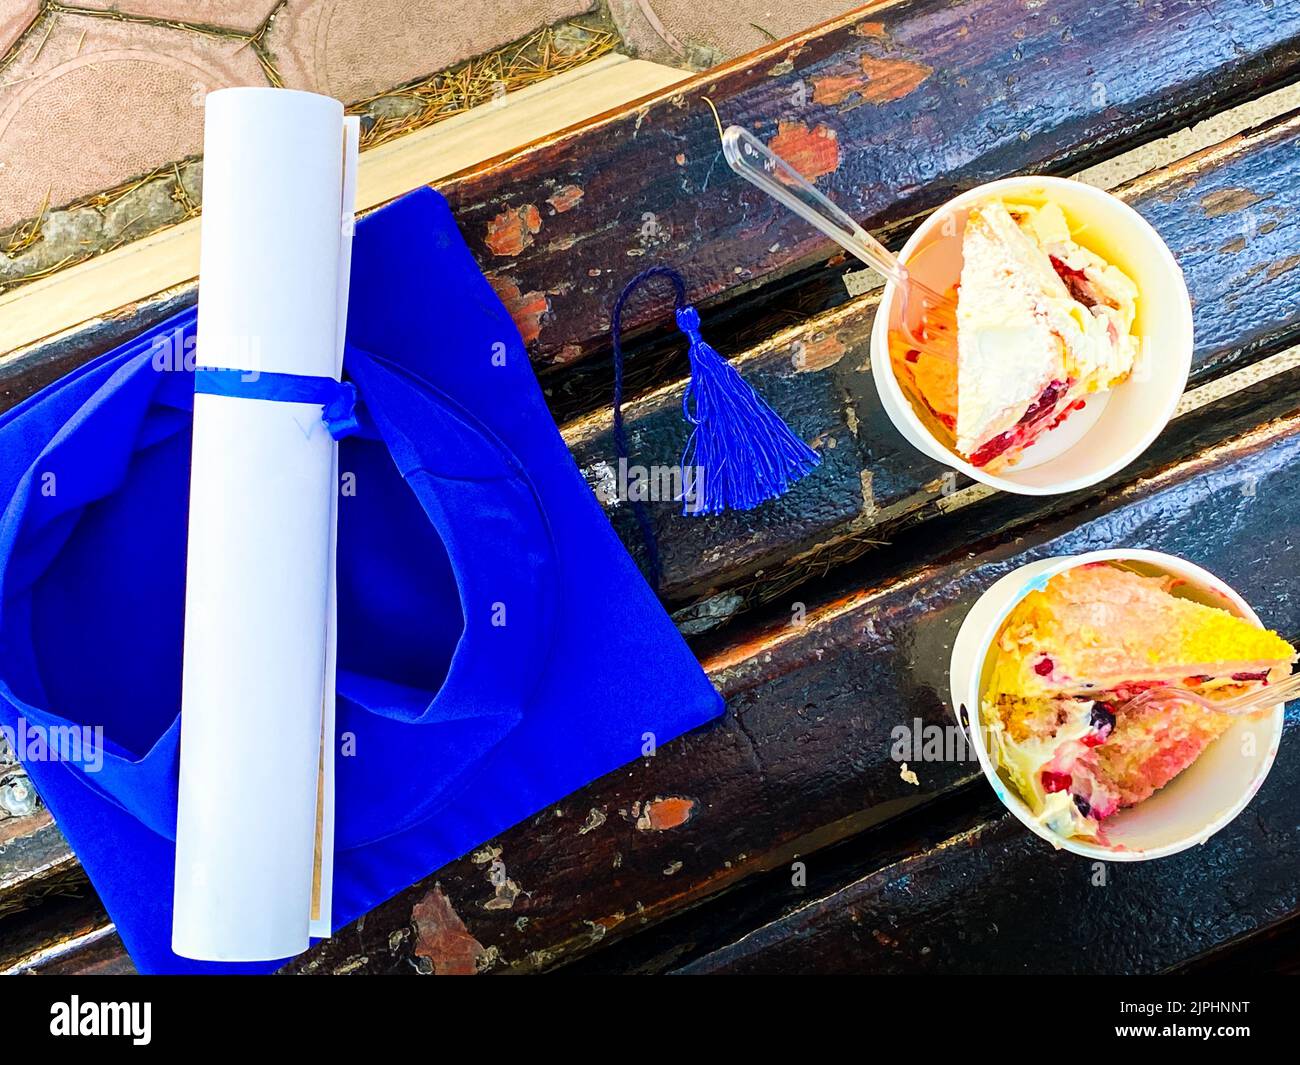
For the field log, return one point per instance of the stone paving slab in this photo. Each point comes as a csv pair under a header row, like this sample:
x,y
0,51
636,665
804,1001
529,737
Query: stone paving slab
x,y
91,101
16,16
703,33
352,49
96,102
245,15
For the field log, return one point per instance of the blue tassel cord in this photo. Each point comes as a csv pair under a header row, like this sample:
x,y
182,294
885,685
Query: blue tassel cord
x,y
741,450
740,453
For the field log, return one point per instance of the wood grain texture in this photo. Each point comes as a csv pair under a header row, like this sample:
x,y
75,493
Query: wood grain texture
x,y
898,107
800,762
69,934
1231,215
802,758
1024,87
26,373
962,906
34,860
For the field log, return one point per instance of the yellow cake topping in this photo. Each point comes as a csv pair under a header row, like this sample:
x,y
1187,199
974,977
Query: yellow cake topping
x,y
1097,626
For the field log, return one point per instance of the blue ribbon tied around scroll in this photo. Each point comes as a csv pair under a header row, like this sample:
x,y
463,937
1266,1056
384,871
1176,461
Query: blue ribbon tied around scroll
x,y
337,399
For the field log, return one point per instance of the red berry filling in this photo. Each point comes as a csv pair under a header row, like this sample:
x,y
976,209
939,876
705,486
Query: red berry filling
x,y
1044,666
1055,781
1102,719
1022,432
1044,403
1076,281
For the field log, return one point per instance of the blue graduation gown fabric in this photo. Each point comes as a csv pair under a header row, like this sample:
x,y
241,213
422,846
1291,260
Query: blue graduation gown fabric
x,y
498,649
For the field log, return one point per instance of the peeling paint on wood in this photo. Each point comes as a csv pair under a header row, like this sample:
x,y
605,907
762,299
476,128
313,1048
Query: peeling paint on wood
x,y
1001,105
819,352
441,937
966,899
807,738
1227,201
798,762
512,231
662,814
812,152
802,758
1244,301
1286,265
528,309
833,88
891,79
566,199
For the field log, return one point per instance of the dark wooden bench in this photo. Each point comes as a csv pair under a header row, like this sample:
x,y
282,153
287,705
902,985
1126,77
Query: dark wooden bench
x,y
826,617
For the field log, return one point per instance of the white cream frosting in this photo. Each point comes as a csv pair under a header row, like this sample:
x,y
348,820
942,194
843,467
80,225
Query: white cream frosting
x,y
1019,328
1022,763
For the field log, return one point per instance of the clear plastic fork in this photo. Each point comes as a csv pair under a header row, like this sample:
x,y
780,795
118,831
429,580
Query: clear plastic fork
x,y
1251,702
928,319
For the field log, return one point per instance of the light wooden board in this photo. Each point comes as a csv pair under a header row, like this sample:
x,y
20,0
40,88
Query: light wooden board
x,y
164,260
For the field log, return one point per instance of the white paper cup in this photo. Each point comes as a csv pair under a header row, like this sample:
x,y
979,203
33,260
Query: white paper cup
x,y
1195,804
1113,428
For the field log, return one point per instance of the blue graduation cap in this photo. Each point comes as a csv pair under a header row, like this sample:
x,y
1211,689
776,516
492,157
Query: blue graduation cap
x,y
467,512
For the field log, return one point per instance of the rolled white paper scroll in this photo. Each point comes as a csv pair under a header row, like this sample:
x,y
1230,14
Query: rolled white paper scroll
x,y
254,823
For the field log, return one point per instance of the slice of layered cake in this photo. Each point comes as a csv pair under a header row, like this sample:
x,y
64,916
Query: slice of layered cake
x,y
1069,658
1042,323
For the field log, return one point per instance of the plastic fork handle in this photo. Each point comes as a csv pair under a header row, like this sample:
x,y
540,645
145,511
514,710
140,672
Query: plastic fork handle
x,y
760,166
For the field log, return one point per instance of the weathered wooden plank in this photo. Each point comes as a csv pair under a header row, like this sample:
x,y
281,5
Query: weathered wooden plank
x,y
27,372
766,748
168,259
1230,214
997,899
761,899
958,93
67,935
96,952
561,936
896,107
802,758
1276,950
34,860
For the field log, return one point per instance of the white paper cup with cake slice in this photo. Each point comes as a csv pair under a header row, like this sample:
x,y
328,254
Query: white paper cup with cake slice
x,y
1185,809
1074,336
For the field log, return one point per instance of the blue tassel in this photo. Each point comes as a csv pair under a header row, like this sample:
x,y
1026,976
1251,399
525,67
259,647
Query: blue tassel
x,y
740,453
